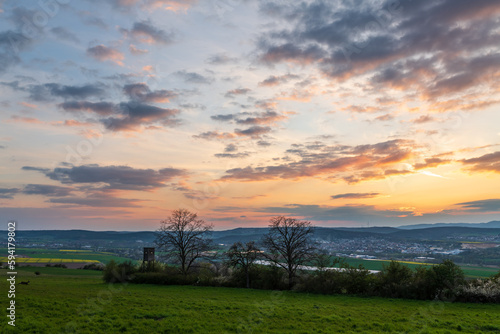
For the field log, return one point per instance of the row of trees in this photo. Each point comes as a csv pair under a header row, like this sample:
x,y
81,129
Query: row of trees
x,y
184,239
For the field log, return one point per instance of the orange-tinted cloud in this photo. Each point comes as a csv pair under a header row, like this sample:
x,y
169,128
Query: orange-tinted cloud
x,y
172,5
350,163
29,120
104,53
486,163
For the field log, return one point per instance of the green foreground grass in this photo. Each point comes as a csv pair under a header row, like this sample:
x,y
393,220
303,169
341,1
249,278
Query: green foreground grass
x,y
63,302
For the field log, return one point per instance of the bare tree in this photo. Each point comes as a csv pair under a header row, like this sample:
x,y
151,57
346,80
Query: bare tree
x,y
243,256
184,237
289,244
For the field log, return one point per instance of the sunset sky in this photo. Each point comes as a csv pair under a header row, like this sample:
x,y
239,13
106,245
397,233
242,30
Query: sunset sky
x,y
343,113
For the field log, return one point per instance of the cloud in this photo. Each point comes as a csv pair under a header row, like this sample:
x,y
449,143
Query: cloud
x,y
123,4
8,193
263,143
487,205
486,163
232,155
98,201
230,148
20,119
104,53
363,109
423,119
133,115
145,32
21,38
290,53
273,80
45,91
229,152
100,108
64,34
251,118
47,190
223,118
97,22
351,213
237,91
136,51
221,59
141,92
387,41
171,5
129,116
193,77
255,131
352,164
112,177
384,118
211,135
355,195
432,162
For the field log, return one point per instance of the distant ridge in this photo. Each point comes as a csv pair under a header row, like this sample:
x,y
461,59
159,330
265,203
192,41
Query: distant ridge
x,y
416,232
492,224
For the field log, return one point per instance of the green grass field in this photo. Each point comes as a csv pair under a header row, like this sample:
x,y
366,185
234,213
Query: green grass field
x,y
60,256
61,301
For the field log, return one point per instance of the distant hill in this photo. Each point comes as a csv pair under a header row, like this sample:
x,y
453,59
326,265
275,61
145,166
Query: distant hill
x,y
84,235
492,224
418,232
375,229
438,233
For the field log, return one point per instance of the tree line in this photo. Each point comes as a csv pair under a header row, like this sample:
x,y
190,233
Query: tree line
x,y
279,260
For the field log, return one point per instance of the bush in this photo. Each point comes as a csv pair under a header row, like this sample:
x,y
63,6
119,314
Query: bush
x,y
440,281
394,281
480,291
93,266
346,280
122,272
167,275
445,279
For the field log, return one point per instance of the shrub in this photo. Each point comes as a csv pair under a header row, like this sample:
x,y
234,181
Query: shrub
x,y
445,279
93,266
122,272
347,280
480,291
437,282
394,281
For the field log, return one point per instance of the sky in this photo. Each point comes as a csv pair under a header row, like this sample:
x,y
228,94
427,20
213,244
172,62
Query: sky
x,y
343,113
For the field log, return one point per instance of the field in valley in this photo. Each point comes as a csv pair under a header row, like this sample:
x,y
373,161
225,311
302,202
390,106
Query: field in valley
x,y
77,301
31,256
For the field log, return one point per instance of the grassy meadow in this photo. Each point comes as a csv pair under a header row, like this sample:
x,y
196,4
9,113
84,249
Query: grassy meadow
x,y
54,256
77,301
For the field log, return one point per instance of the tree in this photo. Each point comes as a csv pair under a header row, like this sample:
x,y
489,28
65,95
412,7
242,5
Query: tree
x,y
289,244
184,238
243,256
